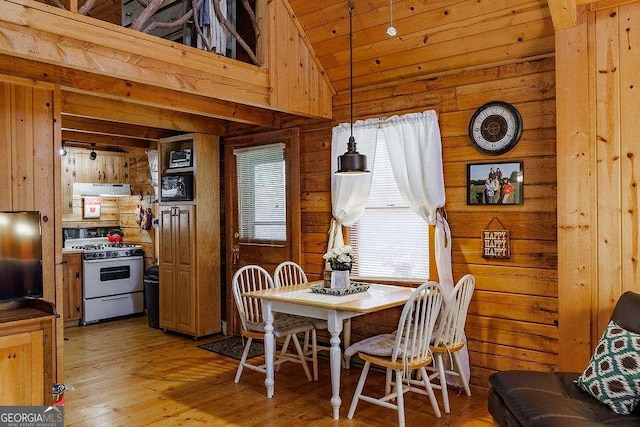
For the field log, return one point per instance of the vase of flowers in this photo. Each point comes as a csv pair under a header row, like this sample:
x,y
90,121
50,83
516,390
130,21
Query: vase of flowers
x,y
341,260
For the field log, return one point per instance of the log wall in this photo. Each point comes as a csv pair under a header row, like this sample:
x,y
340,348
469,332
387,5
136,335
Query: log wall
x,y
513,318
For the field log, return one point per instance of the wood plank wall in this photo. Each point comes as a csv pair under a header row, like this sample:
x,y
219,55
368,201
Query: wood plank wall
x,y
600,141
29,135
297,82
514,313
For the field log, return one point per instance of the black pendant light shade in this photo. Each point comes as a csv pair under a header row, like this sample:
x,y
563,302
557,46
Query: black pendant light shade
x,y
351,162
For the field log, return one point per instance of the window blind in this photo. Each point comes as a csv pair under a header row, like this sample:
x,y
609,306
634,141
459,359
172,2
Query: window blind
x,y
389,240
261,182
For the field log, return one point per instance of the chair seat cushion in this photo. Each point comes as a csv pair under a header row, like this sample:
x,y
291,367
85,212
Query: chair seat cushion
x,y
613,373
283,325
547,399
378,345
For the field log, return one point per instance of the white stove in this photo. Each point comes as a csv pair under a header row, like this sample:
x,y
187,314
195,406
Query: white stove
x,y
112,279
100,248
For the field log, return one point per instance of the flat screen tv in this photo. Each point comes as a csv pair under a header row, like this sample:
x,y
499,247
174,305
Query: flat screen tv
x,y
20,255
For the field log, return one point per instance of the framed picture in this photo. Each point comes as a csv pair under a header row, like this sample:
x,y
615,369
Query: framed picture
x,y
91,207
495,183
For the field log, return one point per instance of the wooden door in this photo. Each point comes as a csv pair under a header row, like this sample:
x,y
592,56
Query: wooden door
x,y
266,253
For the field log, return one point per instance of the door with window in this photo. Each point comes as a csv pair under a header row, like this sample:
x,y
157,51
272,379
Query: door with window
x,y
262,204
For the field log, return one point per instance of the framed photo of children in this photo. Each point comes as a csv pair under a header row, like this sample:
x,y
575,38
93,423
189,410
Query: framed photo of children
x,y
495,183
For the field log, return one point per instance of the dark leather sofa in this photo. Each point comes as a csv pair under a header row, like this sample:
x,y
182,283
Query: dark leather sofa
x,y
550,399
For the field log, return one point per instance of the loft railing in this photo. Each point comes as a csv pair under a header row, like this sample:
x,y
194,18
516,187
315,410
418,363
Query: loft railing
x,y
211,25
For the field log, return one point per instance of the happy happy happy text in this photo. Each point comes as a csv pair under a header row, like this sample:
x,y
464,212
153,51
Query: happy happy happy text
x,y
495,244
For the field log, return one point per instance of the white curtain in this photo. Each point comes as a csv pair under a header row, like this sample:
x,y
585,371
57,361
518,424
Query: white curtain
x,y
415,152
349,194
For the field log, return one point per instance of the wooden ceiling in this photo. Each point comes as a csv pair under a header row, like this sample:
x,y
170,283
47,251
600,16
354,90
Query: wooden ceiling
x,y
433,37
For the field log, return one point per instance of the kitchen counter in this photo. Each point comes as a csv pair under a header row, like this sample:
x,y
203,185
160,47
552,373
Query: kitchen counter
x,y
71,251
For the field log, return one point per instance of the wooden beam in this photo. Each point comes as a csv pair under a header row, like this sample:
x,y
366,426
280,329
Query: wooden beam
x,y
576,216
75,80
110,128
563,13
595,5
70,136
82,105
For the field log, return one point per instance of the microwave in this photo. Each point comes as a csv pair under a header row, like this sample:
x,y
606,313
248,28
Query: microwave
x,y
177,187
180,158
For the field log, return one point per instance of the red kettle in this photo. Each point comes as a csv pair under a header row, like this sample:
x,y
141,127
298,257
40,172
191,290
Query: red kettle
x,y
115,236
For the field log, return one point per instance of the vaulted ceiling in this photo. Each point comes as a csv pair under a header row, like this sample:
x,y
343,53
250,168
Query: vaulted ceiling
x,y
433,38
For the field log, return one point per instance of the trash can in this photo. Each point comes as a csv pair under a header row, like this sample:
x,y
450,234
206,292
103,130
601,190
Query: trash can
x,y
152,295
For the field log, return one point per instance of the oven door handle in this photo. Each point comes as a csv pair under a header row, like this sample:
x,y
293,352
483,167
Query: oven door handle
x,y
119,259
115,297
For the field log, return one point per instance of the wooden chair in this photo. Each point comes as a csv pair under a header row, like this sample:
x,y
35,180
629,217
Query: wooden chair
x,y
255,278
289,273
449,337
404,351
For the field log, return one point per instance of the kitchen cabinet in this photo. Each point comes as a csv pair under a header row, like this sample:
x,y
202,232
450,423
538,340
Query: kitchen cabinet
x,y
77,166
177,265
189,231
27,354
72,286
112,168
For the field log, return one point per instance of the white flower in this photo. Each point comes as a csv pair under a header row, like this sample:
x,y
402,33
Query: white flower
x,y
340,258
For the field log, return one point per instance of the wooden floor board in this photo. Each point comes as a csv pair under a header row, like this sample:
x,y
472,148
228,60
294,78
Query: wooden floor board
x,y
127,374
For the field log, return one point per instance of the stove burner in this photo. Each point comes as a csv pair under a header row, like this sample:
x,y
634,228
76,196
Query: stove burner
x,y
91,247
120,245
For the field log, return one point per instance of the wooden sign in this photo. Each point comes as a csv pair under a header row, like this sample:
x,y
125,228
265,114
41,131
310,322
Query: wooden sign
x,y
496,243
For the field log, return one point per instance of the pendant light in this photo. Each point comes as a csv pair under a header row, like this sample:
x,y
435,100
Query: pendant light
x,y
351,162
391,31
62,151
93,155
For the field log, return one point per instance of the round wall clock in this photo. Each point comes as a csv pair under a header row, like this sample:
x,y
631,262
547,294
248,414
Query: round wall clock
x,y
495,128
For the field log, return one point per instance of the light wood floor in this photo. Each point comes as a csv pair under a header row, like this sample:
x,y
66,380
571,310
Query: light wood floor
x,y
127,374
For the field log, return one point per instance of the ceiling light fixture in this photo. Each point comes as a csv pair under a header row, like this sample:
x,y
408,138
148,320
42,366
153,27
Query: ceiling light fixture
x,y
63,151
93,153
391,31
351,162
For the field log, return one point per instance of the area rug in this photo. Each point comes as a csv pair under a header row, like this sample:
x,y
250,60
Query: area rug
x,y
232,347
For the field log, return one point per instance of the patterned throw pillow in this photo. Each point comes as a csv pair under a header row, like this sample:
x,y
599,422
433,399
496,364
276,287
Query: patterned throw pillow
x,y
613,373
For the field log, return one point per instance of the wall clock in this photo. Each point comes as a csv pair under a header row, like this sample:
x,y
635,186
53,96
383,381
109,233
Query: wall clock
x,y
495,128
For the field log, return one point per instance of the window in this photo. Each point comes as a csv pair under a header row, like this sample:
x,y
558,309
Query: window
x,y
262,210
389,240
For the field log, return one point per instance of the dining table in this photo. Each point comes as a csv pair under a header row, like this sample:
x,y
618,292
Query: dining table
x,y
322,303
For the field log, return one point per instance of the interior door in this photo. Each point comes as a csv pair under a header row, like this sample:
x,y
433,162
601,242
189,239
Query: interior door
x,y
259,230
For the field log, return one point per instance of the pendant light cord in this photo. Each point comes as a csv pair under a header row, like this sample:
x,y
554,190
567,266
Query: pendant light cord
x,y
351,62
